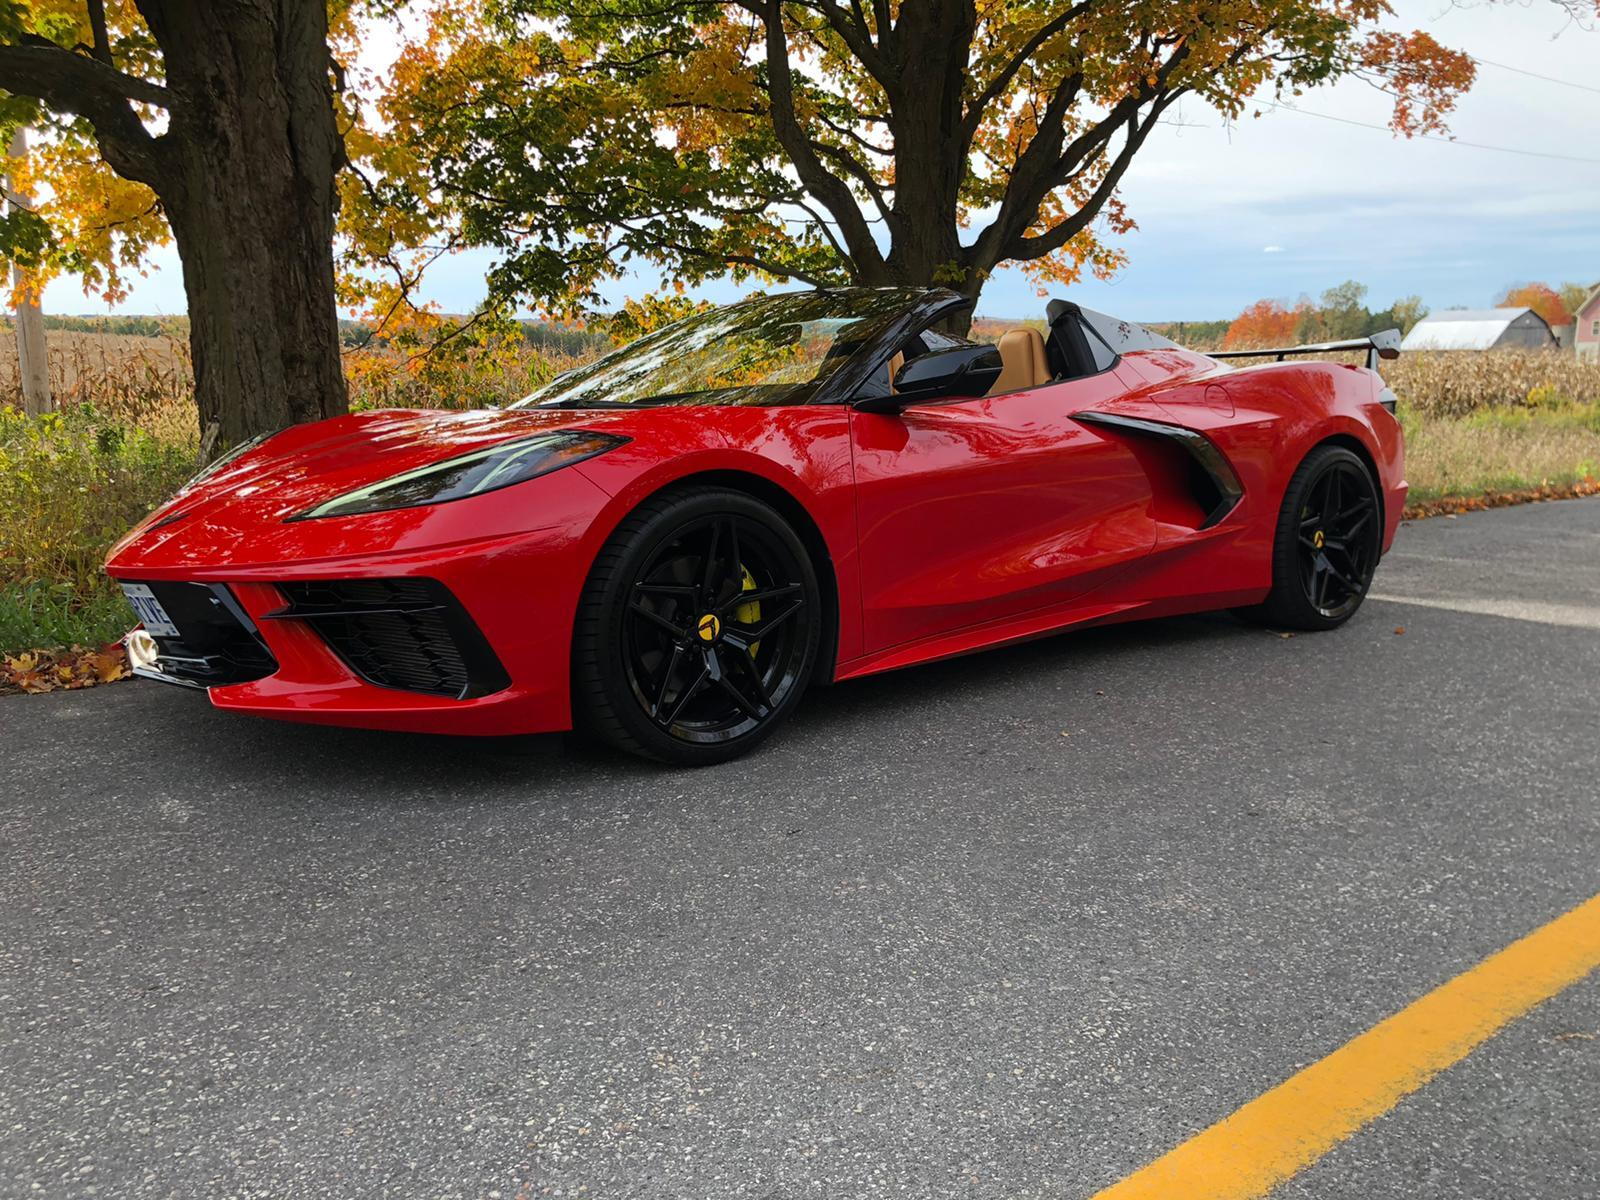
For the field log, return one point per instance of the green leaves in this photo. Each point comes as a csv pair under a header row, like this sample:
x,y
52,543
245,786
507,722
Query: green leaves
x,y
26,238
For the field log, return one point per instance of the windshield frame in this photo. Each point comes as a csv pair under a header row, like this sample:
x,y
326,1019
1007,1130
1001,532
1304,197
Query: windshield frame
x,y
922,308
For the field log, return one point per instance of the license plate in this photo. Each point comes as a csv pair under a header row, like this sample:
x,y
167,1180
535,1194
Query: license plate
x,y
149,611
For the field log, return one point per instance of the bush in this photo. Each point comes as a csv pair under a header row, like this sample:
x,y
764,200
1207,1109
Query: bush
x,y
71,483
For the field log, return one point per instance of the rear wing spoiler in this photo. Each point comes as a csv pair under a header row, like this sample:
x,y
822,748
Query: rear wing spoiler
x,y
1385,344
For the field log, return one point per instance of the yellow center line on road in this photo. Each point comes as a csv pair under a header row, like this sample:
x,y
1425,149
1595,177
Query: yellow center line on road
x,y
1285,1130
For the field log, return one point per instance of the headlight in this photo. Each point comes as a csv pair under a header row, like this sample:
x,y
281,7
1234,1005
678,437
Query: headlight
x,y
469,474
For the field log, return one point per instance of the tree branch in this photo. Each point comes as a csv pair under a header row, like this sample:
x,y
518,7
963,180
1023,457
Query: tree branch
x,y
858,36
855,168
97,29
1045,164
822,224
1028,248
831,191
755,262
973,118
89,88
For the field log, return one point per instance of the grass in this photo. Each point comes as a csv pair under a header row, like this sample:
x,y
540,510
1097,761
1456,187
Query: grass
x,y
40,615
1501,449
72,482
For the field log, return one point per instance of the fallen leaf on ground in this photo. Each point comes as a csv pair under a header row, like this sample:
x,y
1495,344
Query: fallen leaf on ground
x,y
1451,506
35,671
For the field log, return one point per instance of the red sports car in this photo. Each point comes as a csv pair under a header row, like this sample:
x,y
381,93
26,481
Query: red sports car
x,y
667,546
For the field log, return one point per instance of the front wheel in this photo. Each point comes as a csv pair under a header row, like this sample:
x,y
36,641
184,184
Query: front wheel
x,y
698,629
1328,541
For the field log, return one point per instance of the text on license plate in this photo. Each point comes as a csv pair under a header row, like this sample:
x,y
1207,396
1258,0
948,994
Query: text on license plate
x,y
149,611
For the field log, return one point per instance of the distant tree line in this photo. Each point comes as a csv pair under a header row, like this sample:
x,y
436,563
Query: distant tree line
x,y
1341,313
1200,334
545,336
130,326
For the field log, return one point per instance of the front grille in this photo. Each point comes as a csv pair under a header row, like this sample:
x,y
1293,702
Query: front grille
x,y
217,643
408,634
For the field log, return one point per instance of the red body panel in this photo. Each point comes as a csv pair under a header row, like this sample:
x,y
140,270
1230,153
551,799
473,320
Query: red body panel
x,y
951,527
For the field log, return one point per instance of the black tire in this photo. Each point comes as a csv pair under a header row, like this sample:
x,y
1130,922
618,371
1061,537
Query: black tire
x,y
1327,543
698,629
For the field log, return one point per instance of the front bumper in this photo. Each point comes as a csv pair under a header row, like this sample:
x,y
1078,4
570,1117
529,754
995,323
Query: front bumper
x,y
506,603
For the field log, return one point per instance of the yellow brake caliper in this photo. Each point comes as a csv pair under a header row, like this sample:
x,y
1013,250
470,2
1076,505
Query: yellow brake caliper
x,y
749,614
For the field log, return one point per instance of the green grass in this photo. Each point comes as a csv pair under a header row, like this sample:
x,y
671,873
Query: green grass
x,y
44,616
71,483
1501,449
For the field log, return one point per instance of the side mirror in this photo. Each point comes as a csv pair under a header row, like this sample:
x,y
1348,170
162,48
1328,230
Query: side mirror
x,y
958,371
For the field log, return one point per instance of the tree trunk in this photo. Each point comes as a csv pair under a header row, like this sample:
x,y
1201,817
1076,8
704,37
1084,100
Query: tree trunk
x,y
929,157
33,356
247,182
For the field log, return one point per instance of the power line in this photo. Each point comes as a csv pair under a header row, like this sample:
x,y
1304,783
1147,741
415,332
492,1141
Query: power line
x,y
1432,137
1582,87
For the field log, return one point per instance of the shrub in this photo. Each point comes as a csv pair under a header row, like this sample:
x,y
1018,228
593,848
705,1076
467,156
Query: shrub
x,y
71,483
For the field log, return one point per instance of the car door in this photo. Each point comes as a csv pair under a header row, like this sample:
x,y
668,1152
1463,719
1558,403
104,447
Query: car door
x,y
977,510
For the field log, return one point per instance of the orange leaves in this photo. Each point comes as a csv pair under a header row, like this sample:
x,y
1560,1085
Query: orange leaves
x,y
1264,323
1449,506
61,670
1425,77
1540,297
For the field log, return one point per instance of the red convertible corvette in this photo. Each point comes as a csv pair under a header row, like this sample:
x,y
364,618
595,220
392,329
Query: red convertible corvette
x,y
665,547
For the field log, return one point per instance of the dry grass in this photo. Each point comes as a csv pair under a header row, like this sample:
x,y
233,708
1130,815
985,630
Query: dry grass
x,y
1442,383
1502,449
137,382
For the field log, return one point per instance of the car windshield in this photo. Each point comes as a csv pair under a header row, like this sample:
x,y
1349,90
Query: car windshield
x,y
770,350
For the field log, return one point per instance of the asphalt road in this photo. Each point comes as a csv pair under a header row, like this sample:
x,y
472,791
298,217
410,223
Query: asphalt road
x,y
1005,927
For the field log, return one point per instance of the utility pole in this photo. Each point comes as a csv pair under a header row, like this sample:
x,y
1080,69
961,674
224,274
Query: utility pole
x,y
33,358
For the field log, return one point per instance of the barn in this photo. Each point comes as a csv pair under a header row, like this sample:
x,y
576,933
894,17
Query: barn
x,y
1481,329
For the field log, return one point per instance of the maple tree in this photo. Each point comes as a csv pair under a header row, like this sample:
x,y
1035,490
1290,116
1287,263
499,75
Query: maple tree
x,y
1264,323
215,123
1540,297
868,142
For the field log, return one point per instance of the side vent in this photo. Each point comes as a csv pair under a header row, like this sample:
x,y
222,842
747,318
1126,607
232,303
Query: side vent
x,y
1215,487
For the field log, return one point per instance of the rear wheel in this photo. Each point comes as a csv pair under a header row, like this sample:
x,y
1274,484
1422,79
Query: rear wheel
x,y
698,629
1328,541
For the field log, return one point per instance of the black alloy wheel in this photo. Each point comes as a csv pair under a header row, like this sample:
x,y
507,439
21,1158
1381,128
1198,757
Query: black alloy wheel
x,y
699,628
1328,542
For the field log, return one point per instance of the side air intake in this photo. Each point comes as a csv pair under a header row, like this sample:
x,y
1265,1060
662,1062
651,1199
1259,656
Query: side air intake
x,y
1211,479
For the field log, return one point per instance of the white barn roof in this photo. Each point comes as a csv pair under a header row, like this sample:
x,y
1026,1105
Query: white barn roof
x,y
1468,328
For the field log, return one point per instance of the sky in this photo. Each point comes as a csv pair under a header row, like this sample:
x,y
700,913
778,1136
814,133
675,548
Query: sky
x,y
1292,203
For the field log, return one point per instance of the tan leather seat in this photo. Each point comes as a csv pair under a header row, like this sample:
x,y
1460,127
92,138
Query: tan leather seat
x,y
896,361
1024,362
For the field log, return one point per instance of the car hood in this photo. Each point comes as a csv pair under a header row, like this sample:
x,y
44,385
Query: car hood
x,y
249,499
304,465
